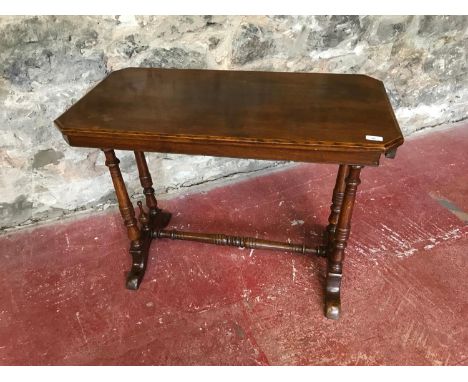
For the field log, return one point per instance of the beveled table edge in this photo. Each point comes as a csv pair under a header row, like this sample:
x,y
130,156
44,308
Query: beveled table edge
x,y
235,149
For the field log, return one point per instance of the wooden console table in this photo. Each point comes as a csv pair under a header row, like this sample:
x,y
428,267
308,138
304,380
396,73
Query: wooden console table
x,y
304,117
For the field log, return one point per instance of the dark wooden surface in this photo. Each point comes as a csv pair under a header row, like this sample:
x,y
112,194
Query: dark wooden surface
x,y
308,117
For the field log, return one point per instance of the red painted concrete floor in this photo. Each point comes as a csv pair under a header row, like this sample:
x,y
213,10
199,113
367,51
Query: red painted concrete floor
x,y
63,301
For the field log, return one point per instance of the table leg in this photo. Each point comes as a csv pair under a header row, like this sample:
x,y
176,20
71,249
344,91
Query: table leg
x,y
159,219
139,244
140,238
335,208
146,181
128,214
338,240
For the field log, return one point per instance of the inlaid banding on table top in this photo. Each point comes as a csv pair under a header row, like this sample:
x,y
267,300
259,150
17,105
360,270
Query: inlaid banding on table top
x,y
175,138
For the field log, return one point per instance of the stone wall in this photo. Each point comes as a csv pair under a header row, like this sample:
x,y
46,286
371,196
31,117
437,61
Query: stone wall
x,y
48,63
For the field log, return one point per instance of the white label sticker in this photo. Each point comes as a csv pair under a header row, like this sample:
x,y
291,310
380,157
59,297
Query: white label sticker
x,y
374,138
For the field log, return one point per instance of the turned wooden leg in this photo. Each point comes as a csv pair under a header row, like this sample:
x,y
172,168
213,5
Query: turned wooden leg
x,y
146,181
335,208
158,218
125,206
338,243
128,214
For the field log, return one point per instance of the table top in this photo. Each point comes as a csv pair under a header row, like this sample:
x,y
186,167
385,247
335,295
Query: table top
x,y
310,117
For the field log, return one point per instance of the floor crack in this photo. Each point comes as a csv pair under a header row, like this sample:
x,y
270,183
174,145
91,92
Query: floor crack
x,y
227,176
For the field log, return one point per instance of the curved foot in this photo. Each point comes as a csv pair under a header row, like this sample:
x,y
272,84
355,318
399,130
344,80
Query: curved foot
x,y
139,260
333,308
158,219
134,279
332,296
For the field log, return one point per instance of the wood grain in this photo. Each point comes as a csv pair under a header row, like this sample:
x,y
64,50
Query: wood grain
x,y
309,117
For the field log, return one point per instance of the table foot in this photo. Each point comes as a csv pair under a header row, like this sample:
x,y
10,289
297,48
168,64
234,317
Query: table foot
x,y
157,220
135,276
332,296
338,231
139,261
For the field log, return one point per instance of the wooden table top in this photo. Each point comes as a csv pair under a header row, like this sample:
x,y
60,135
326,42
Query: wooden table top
x,y
310,117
